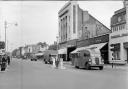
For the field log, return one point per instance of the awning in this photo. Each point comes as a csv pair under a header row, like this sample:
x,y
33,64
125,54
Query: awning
x,y
62,51
39,54
95,46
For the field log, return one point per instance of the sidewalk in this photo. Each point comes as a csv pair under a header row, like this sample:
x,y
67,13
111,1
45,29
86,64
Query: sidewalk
x,y
125,67
106,66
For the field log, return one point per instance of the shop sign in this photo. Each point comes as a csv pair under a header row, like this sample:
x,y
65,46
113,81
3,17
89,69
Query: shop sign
x,y
91,41
119,35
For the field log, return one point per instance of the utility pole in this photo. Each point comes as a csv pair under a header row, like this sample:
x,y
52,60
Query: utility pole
x,y
5,24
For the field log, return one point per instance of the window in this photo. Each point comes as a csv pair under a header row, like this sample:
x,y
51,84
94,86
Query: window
x,y
113,29
69,18
116,55
74,19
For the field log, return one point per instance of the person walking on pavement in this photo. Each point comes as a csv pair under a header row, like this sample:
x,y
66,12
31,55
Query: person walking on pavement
x,y
3,65
53,61
8,59
57,61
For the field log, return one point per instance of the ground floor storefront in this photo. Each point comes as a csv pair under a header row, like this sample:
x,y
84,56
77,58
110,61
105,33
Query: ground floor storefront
x,y
100,43
118,51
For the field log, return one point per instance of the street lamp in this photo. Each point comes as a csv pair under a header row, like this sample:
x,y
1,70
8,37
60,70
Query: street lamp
x,y
57,42
6,26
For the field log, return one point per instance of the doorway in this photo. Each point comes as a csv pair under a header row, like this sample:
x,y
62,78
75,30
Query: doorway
x,y
104,53
70,49
127,55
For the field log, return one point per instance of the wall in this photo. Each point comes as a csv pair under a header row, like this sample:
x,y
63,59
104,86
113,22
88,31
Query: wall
x,y
120,40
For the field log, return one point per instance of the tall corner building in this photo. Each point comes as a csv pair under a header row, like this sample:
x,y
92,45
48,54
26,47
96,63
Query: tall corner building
x,y
118,45
78,28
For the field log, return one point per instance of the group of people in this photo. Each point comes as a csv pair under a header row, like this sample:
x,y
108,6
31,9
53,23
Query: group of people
x,y
57,61
4,61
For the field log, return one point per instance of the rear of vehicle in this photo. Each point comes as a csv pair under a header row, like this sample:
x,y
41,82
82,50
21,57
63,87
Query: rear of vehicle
x,y
47,56
47,59
33,58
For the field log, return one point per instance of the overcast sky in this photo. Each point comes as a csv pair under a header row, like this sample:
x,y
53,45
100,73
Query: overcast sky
x,y
38,20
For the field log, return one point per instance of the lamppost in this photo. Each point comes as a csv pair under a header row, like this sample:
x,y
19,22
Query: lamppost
x,y
6,26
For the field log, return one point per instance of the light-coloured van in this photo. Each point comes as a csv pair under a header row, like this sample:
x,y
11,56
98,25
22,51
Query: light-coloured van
x,y
87,58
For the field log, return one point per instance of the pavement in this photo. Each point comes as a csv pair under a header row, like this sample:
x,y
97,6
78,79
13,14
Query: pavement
x,y
106,66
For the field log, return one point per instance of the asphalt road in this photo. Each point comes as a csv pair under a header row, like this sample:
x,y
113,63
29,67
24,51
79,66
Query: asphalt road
x,y
22,74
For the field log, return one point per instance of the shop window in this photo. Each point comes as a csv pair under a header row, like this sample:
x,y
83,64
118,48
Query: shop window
x,y
74,19
119,27
113,29
116,55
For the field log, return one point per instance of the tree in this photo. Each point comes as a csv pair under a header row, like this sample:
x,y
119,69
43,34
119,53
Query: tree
x,y
53,47
44,44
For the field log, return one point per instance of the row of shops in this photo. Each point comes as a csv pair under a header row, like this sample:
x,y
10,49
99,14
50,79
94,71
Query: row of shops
x,y
111,54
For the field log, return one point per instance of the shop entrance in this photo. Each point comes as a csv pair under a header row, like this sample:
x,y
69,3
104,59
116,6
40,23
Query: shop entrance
x,y
104,53
70,49
127,55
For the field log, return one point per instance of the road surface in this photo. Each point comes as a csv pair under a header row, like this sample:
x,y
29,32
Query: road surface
x,y
25,74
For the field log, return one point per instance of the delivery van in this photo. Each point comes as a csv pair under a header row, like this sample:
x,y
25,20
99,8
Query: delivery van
x,y
87,58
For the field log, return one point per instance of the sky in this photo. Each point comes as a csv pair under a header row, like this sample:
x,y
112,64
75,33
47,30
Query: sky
x,y
38,20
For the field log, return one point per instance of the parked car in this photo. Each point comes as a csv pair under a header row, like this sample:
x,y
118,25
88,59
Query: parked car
x,y
33,58
87,58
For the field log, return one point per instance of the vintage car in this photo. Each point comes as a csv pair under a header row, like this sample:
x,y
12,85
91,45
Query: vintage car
x,y
33,58
87,58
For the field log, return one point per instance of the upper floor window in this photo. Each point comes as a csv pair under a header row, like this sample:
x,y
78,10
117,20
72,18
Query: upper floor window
x,y
74,19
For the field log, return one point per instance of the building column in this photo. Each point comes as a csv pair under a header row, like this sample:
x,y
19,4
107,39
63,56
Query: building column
x,y
126,6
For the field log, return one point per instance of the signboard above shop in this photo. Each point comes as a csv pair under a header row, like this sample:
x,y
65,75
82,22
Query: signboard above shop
x,y
119,35
95,40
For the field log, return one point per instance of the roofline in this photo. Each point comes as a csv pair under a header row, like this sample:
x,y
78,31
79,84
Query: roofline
x,y
100,22
67,4
120,11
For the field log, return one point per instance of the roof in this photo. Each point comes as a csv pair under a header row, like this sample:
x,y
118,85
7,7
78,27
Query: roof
x,y
120,10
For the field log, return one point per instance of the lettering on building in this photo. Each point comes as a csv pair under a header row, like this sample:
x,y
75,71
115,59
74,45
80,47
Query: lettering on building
x,y
117,36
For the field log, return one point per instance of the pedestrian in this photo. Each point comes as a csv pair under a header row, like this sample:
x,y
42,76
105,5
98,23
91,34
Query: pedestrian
x,y
4,61
53,61
57,61
8,59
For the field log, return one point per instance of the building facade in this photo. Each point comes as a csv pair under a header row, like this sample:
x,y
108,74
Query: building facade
x,y
118,51
77,28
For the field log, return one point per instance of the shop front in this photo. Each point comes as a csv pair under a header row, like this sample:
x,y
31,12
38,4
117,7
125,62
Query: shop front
x,y
98,43
66,48
126,48
118,50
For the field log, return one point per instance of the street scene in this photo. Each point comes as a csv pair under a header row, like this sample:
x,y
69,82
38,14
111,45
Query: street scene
x,y
64,44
